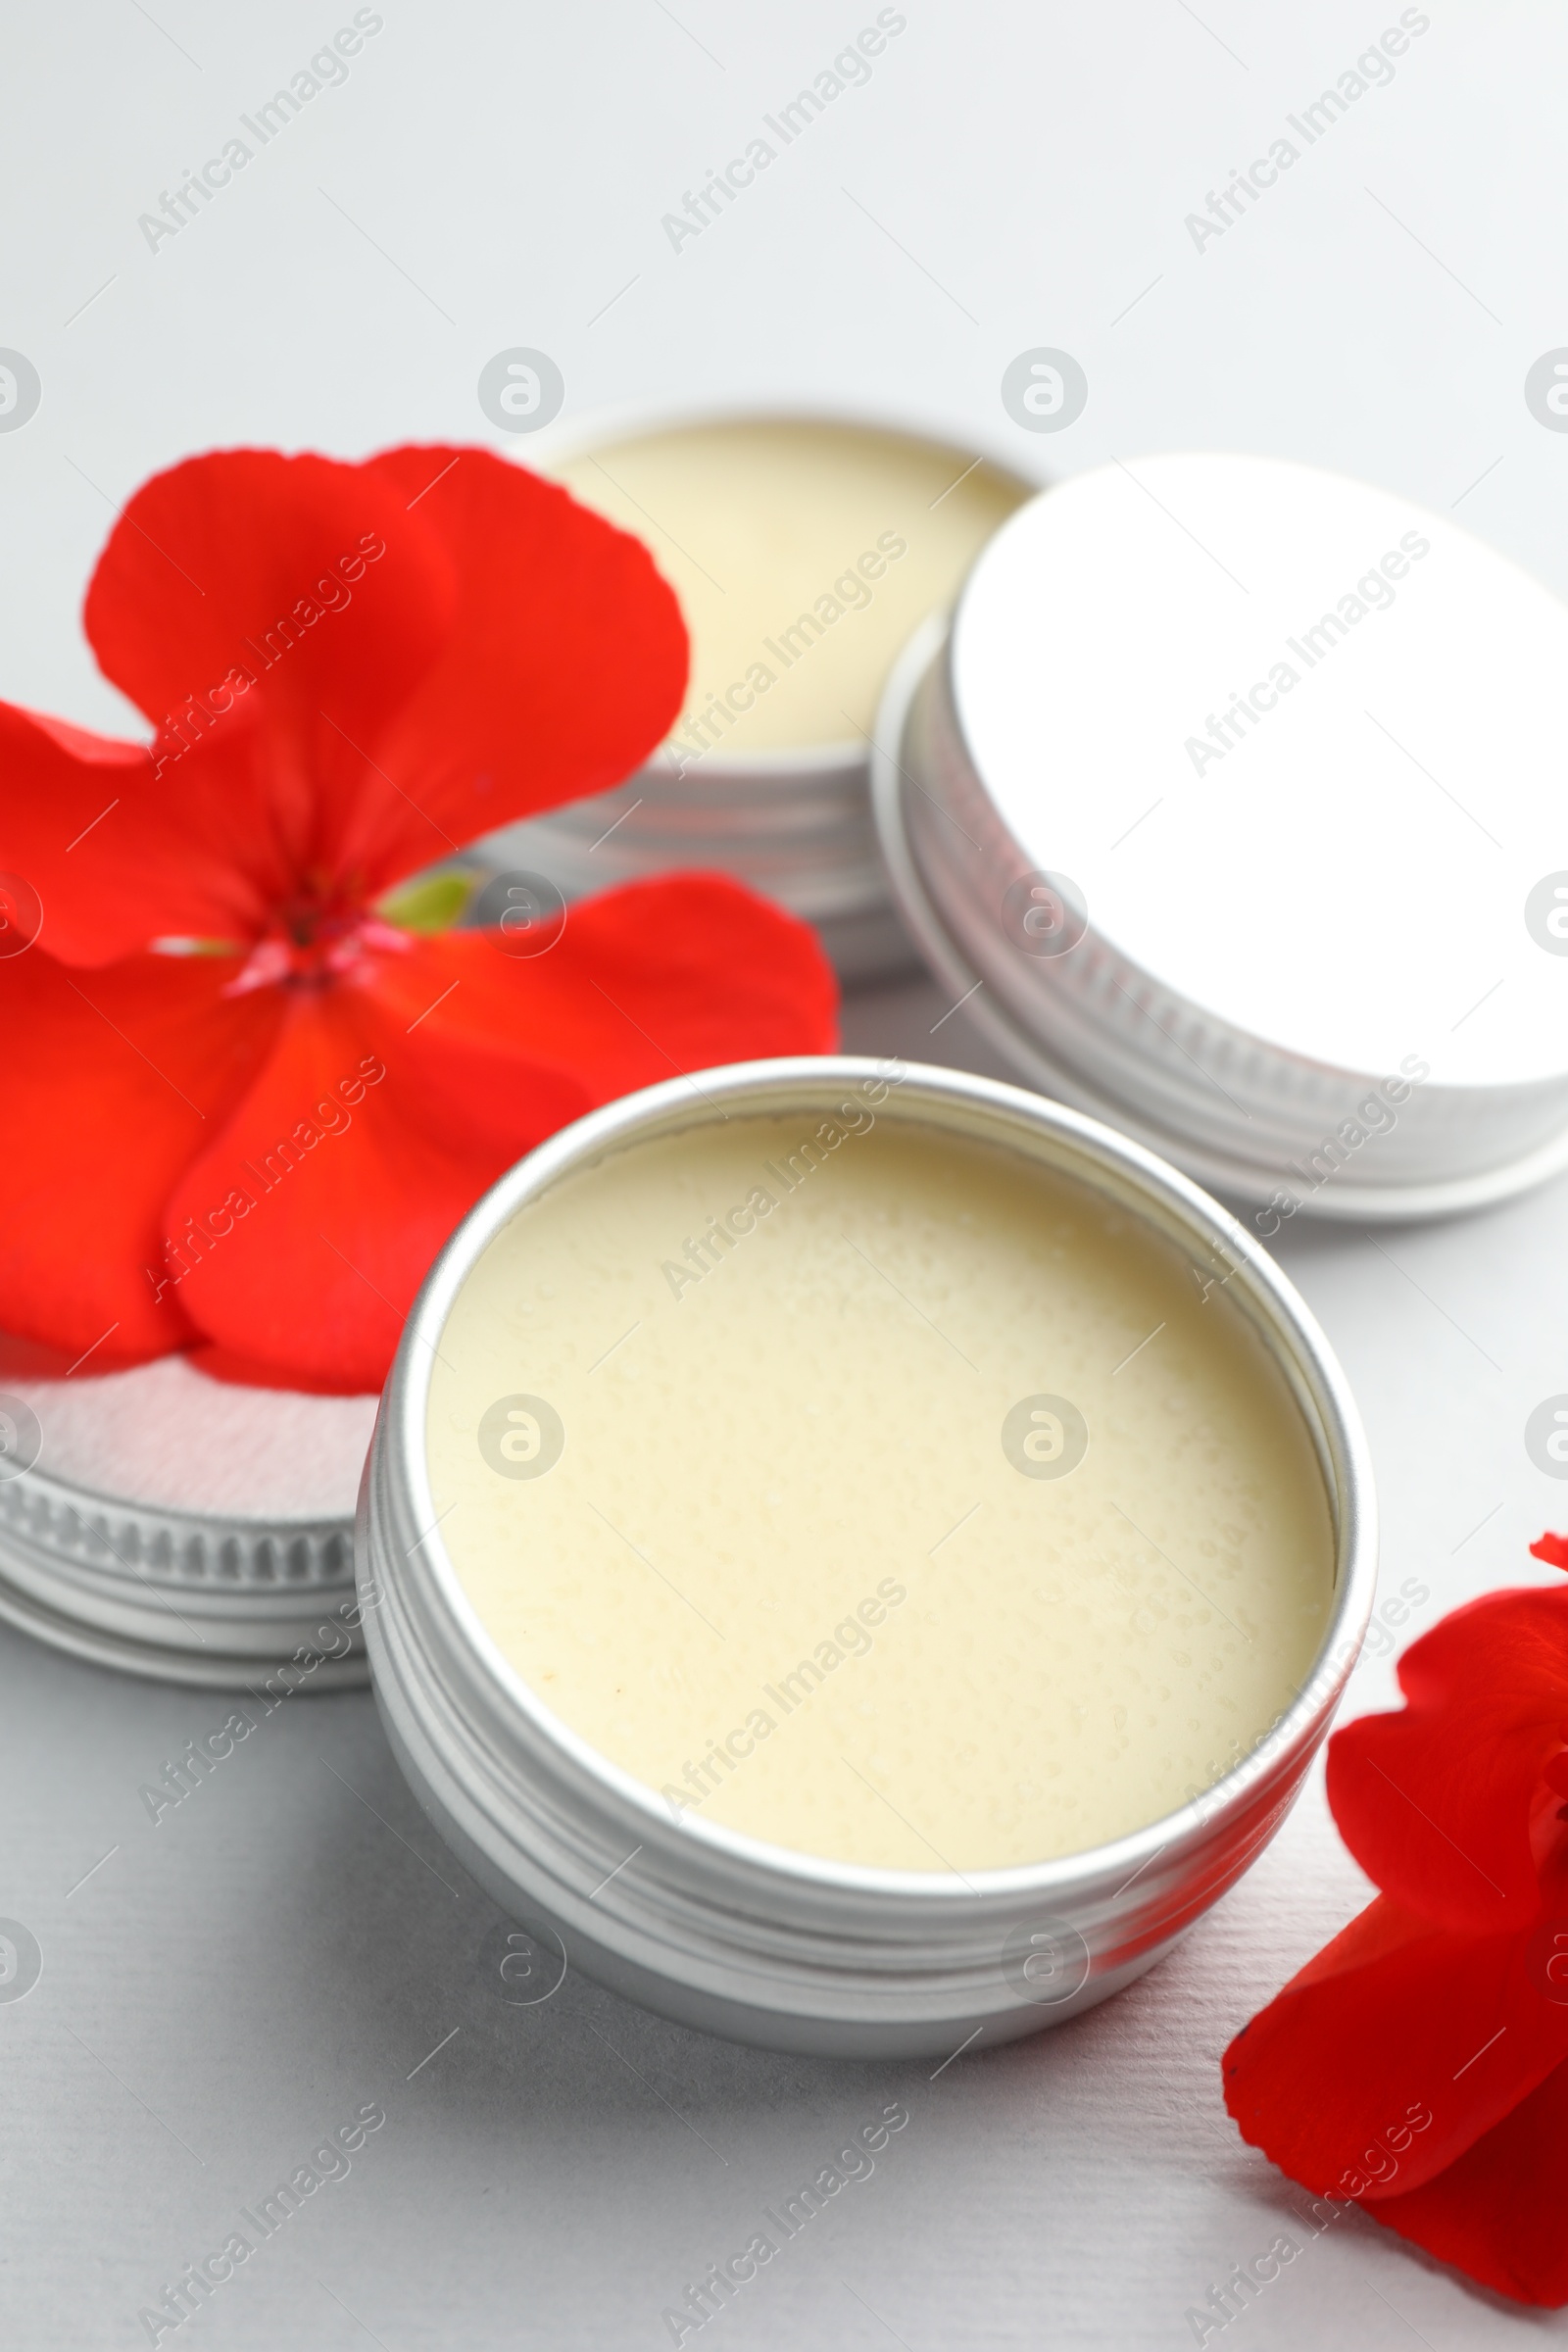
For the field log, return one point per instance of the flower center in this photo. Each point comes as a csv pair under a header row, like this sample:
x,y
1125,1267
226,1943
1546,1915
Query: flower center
x,y
313,942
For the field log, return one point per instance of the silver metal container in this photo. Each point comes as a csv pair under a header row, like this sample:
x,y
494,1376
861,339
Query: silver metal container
x,y
219,1600
795,824
1314,947
747,1939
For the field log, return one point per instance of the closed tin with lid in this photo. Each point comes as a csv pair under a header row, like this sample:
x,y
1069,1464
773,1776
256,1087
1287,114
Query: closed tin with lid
x,y
1230,802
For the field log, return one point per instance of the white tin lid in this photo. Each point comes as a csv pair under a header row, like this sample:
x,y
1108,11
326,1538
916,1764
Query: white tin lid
x,y
1239,790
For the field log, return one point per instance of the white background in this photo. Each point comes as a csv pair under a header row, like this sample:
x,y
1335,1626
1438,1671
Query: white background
x,y
231,1983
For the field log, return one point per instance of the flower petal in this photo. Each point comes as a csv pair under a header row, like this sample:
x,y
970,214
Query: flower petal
x,y
245,559
275,611
567,662
680,972
1435,1801
355,1187
120,854
111,1080
346,1174
1392,2022
1496,2212
406,652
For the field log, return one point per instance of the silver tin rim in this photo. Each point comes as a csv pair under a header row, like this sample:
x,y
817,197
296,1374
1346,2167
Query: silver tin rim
x,y
722,1931
795,826
216,1600
1342,1200
800,836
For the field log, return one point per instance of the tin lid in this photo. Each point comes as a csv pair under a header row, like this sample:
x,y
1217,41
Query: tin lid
x,y
166,1524
1234,796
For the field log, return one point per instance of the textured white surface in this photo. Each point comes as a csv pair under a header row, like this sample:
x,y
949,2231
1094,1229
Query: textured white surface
x,y
164,1433
291,1941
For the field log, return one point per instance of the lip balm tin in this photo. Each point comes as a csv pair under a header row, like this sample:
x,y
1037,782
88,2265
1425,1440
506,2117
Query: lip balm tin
x,y
794,823
1229,801
221,1600
748,1939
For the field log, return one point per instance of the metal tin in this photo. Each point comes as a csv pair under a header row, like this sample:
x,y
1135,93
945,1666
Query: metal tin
x,y
794,824
719,1929
187,1596
1308,949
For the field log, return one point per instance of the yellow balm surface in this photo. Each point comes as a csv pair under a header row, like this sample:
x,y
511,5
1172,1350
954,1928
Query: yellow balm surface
x,y
803,555
877,1492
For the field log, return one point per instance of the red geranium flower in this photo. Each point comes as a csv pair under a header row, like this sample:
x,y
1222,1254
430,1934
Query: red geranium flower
x,y
1417,2064
247,1098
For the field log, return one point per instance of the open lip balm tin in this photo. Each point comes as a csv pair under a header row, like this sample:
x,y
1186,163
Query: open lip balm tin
x,y
792,539
759,1940
1230,805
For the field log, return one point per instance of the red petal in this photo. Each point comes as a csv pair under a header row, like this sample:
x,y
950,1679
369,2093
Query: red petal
x,y
210,556
121,854
33,1359
484,1055
1435,1801
111,1080
275,611
1553,1549
505,650
567,661
681,973
1392,2021
1498,2212
353,1182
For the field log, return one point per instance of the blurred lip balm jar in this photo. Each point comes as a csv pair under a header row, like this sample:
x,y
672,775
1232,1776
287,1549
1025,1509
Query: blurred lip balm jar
x,y
803,551
855,1556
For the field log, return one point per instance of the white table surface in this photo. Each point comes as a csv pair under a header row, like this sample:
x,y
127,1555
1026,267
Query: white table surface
x,y
232,1983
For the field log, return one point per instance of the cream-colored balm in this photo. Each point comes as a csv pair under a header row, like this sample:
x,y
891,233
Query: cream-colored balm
x,y
877,1493
803,555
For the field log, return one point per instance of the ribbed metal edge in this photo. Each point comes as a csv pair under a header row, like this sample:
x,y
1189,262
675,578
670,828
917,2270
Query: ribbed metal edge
x,y
1029,1050
723,1930
182,1595
801,834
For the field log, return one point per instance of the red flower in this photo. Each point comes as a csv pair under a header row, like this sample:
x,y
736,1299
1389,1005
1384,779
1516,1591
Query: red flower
x,y
1417,2064
246,1102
